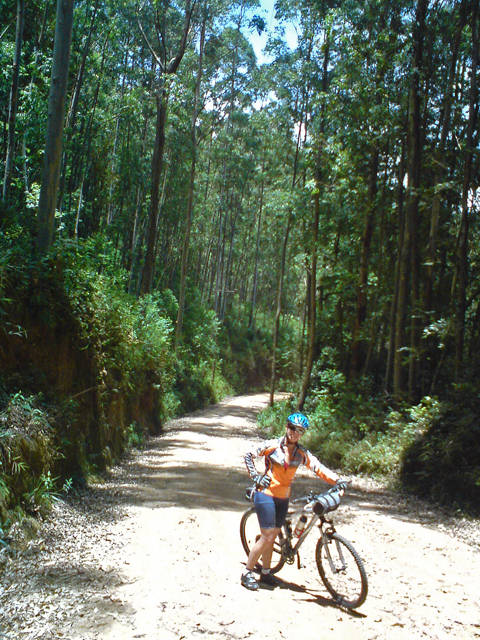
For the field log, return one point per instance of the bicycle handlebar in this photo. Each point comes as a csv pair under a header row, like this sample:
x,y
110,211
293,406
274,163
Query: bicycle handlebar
x,y
322,503
319,503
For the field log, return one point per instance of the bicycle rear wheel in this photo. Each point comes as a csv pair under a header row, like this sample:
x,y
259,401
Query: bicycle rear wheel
x,y
341,570
250,533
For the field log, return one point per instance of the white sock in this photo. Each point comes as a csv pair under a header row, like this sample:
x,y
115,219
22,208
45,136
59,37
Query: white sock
x,y
265,571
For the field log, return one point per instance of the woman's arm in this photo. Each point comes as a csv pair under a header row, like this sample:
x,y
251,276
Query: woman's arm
x,y
262,450
319,469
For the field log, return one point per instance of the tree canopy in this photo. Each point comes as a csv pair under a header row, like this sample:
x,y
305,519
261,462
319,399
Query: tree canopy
x,y
326,198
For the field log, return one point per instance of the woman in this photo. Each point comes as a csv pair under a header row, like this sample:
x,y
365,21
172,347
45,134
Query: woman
x,y
283,456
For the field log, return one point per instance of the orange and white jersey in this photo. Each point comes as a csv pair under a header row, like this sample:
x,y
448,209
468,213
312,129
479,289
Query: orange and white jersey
x,y
282,469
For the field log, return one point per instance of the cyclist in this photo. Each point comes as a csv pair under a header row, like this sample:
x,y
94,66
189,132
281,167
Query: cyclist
x,y
283,456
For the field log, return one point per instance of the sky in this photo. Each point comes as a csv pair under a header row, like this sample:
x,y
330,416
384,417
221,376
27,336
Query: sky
x,y
267,12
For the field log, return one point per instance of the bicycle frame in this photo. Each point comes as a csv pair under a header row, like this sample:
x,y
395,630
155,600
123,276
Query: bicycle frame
x,y
339,565
292,551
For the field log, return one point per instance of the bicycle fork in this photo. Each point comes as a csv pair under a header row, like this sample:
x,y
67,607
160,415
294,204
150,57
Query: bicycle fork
x,y
326,543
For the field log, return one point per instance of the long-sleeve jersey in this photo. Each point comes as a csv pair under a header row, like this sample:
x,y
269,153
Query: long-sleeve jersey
x,y
282,471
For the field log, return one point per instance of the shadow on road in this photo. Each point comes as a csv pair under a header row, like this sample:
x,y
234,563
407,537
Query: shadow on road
x,y
158,477
314,597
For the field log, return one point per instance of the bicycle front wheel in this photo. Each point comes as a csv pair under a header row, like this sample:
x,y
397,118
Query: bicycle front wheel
x,y
250,533
341,570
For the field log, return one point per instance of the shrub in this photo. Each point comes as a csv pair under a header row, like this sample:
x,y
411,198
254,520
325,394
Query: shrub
x,y
353,431
27,454
272,420
443,461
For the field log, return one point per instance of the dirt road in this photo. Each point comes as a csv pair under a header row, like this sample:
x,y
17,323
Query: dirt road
x,y
154,553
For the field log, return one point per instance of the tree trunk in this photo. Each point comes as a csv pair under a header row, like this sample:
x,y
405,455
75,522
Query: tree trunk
x,y
414,161
312,303
251,322
188,222
161,97
279,308
409,257
361,311
401,291
157,163
394,362
228,291
133,250
302,125
55,124
462,242
114,159
87,142
439,168
71,116
13,103
312,314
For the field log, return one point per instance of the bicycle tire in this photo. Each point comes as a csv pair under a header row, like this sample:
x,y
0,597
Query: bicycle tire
x,y
249,534
347,581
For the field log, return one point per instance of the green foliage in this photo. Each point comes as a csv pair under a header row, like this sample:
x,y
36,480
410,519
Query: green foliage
x,y
272,420
40,496
136,435
354,432
194,385
381,452
247,351
431,448
131,337
116,366
4,490
442,462
261,147
27,455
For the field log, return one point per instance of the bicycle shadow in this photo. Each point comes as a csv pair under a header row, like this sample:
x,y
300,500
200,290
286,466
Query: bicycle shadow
x,y
315,598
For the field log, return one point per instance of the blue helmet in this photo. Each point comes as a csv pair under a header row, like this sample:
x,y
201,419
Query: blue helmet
x,y
298,420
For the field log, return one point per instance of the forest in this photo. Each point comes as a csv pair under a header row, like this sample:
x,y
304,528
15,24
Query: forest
x,y
181,220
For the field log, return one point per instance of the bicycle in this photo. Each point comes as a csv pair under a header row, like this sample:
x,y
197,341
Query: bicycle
x,y
339,565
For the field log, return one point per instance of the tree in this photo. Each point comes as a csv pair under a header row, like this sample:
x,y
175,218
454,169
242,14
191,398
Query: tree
x,y
13,103
410,250
461,268
318,172
167,63
55,124
188,222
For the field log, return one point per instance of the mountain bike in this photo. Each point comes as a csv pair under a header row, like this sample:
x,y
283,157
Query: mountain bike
x,y
339,565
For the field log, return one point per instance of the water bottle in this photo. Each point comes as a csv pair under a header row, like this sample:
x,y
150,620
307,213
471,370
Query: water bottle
x,y
300,526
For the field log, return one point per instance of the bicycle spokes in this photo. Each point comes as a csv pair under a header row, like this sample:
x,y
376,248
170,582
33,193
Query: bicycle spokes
x,y
341,570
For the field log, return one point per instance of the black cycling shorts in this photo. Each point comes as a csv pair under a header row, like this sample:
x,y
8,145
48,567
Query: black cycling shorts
x,y
271,512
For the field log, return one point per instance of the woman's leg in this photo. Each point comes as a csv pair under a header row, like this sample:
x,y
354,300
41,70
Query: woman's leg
x,y
263,547
265,509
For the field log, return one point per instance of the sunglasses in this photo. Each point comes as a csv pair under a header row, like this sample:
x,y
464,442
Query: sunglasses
x,y
299,430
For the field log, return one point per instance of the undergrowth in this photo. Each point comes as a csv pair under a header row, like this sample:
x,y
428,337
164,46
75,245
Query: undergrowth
x,y
346,442
27,456
95,367
431,448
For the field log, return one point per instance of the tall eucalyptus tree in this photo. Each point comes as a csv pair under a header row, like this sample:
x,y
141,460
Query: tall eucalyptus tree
x,y
164,25
56,118
13,102
191,185
461,266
